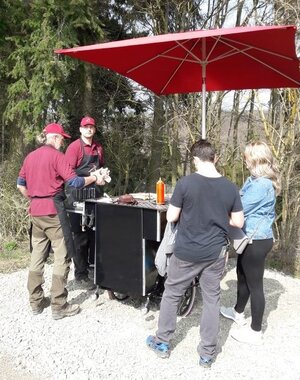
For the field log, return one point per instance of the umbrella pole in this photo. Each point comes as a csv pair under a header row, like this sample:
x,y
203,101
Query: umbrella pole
x,y
203,64
203,131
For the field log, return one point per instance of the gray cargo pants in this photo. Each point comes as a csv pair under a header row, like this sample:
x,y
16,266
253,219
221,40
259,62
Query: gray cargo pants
x,y
180,275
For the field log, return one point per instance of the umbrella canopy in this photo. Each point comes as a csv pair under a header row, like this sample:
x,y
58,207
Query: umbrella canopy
x,y
204,60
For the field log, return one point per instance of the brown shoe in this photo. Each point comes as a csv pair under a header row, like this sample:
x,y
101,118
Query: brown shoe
x,y
45,302
67,311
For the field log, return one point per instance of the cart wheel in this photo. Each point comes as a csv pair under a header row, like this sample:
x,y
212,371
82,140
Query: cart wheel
x,y
144,310
95,296
187,301
117,296
145,307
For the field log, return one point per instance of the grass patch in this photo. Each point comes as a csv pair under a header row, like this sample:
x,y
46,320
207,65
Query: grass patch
x,y
14,256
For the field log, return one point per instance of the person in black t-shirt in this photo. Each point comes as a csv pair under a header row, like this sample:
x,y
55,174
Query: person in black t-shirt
x,y
204,203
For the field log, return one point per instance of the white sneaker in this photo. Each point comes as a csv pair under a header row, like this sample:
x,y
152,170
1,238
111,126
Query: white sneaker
x,y
247,335
230,313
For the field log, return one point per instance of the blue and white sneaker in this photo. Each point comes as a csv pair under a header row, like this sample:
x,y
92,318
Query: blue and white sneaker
x,y
161,349
205,362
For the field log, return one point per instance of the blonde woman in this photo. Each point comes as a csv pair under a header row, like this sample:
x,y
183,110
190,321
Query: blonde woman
x,y
258,196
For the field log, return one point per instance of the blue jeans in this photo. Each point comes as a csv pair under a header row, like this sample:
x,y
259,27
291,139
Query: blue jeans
x,y
180,275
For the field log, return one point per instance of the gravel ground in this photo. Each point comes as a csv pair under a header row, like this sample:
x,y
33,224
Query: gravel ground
x,y
107,339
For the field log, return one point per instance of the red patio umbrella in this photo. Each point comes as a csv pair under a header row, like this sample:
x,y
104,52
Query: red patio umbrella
x,y
203,60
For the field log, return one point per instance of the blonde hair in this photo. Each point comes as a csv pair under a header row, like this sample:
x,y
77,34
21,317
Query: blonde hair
x,y
261,163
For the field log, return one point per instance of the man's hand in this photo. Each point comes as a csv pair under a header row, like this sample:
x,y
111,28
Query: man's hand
x,y
100,181
105,173
23,190
102,176
99,177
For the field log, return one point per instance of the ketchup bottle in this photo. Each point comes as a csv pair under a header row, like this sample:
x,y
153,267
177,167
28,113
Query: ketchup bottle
x,y
160,192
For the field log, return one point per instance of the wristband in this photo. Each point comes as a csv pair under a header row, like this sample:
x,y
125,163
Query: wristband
x,y
94,175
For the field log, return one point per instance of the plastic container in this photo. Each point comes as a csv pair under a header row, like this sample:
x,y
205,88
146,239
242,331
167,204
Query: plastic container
x,y
160,192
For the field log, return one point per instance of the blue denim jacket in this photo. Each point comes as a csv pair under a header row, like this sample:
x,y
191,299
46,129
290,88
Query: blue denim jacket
x,y
258,199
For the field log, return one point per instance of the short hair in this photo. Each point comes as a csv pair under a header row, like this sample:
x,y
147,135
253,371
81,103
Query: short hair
x,y
44,138
203,150
50,136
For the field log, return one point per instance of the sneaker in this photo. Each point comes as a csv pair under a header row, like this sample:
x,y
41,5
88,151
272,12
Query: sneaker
x,y
161,349
247,335
230,313
205,362
85,283
45,302
67,311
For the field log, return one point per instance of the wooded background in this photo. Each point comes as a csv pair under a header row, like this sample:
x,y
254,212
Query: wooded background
x,y
144,136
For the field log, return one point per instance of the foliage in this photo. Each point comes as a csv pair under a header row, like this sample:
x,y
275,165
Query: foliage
x,y
10,246
15,257
14,219
38,75
126,152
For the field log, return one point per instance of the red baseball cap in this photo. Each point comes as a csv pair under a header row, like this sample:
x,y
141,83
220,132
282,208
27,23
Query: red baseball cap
x,y
57,129
87,121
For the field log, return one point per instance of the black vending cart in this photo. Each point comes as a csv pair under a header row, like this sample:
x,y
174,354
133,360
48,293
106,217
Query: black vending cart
x,y
127,238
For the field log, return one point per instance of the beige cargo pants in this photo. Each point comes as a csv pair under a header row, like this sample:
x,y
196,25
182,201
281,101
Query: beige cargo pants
x,y
46,231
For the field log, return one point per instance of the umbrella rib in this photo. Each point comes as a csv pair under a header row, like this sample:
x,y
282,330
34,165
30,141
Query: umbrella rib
x,y
164,55
212,49
172,76
261,62
190,52
150,60
154,58
227,41
178,67
228,54
177,59
272,68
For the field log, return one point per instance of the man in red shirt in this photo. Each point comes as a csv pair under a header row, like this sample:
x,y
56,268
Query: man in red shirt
x,y
84,156
41,179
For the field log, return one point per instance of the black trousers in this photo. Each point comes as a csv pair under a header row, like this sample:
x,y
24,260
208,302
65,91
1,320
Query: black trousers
x,y
84,242
84,252
250,272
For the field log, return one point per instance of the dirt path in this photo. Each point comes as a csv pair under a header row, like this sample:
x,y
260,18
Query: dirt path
x,y
8,370
107,339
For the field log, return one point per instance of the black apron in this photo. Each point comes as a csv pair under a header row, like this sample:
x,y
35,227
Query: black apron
x,y
59,199
88,164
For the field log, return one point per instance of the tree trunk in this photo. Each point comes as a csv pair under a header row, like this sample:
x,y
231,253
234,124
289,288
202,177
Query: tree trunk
x,y
88,91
